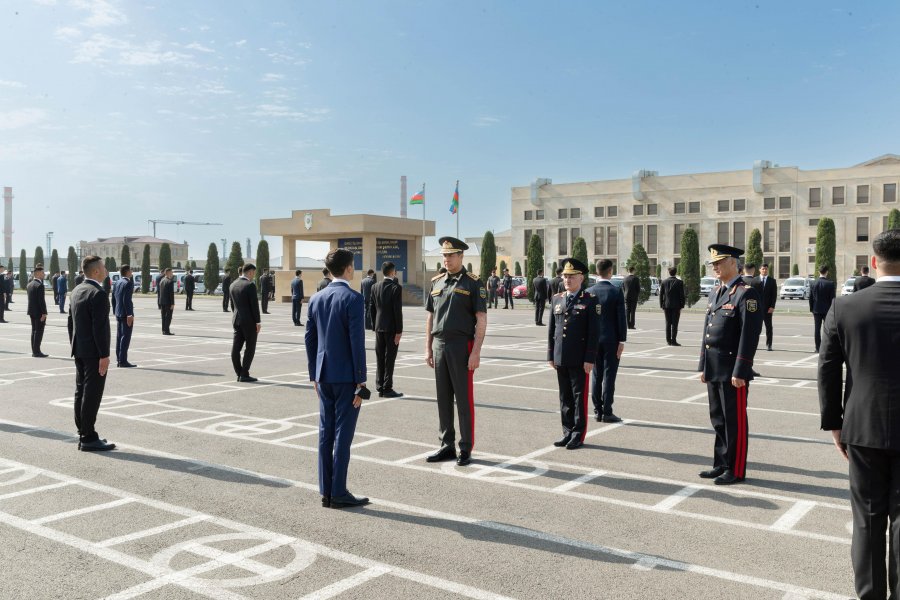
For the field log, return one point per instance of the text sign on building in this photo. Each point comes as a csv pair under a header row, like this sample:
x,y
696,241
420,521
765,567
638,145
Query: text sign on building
x,y
355,246
394,251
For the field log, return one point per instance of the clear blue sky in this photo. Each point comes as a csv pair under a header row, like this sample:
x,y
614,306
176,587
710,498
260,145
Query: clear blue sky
x,y
112,113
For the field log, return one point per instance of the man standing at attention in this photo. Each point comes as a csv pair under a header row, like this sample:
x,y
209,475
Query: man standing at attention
x,y
265,291
366,288
3,294
727,347
123,309
861,333
62,288
325,281
454,332
821,295
863,281
53,287
612,336
631,286
226,292
89,331
245,321
493,284
37,310
189,284
386,307
507,290
672,300
556,284
768,295
540,288
336,353
297,297
165,290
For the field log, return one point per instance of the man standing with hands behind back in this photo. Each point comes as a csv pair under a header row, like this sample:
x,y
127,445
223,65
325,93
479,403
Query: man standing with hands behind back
x,y
821,295
611,338
297,297
672,301
768,292
386,308
165,290
123,309
246,322
37,310
540,289
631,287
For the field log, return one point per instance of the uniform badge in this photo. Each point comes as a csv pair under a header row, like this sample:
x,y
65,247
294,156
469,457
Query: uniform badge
x,y
557,310
599,308
482,292
752,306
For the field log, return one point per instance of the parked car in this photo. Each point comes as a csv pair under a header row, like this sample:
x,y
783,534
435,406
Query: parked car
x,y
617,280
795,288
847,289
520,291
516,281
654,286
707,284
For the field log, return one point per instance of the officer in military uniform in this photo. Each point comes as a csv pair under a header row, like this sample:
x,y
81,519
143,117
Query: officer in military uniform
x,y
454,332
572,341
730,334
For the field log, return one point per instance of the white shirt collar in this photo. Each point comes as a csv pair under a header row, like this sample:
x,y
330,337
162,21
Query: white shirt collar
x,y
888,278
94,280
339,279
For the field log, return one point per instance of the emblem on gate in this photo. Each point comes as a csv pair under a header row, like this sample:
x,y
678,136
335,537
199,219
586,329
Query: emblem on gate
x,y
307,221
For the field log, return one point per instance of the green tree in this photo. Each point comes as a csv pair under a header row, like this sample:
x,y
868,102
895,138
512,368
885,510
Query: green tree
x,y
659,271
126,255
488,255
795,270
893,219
556,266
518,269
703,270
469,268
235,260
145,269
23,271
856,272
39,256
112,268
502,266
165,257
754,249
689,266
437,266
641,264
592,268
54,262
534,263
106,263
579,251
825,247
9,266
211,270
72,265
262,259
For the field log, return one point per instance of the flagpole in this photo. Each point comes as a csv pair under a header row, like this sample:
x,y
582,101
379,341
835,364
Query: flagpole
x,y
424,265
457,211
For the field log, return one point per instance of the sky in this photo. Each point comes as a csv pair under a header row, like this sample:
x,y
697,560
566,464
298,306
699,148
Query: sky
x,y
116,112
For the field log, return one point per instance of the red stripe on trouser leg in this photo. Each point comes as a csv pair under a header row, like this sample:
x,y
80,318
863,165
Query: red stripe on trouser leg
x,y
471,391
741,462
584,403
736,467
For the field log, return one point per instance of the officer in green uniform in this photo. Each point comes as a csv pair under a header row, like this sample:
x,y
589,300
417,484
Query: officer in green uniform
x,y
730,334
454,332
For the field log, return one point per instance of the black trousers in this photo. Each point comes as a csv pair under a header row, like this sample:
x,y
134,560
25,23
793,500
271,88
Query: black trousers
x,y
630,310
37,334
385,357
296,309
767,320
89,386
265,302
573,399
123,339
492,299
818,319
243,336
539,305
226,297
3,307
189,301
454,380
875,504
166,313
728,415
603,378
673,315
507,299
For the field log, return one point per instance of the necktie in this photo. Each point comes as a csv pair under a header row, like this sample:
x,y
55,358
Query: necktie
x,y
570,300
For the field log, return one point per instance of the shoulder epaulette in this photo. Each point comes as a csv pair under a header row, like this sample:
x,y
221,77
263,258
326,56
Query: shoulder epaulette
x,y
472,276
558,295
438,276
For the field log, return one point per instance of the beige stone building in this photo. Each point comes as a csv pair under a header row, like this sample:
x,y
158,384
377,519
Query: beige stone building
x,y
112,246
784,203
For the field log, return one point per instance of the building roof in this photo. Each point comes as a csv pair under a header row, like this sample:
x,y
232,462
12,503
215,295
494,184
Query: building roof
x,y
884,159
132,239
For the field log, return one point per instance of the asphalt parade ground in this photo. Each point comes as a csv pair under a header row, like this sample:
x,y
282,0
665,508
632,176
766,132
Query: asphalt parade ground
x,y
212,491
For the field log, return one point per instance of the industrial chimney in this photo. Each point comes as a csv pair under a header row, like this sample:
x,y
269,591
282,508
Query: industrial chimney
x,y
7,222
403,196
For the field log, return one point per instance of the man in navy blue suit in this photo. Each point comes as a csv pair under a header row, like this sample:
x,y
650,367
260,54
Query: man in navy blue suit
x,y
613,332
336,351
123,308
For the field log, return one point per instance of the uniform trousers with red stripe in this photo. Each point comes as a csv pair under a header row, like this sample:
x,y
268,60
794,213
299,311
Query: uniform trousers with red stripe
x,y
574,385
454,380
728,415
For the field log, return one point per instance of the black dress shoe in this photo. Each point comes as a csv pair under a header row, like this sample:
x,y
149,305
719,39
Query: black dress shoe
x,y
326,501
598,417
348,500
40,355
769,347
540,324
95,446
445,453
127,365
390,394
464,459
727,478
676,344
247,379
575,442
755,374
712,473
562,441
611,418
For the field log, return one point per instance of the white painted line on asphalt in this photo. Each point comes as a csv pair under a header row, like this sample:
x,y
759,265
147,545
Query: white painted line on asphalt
x,y
161,412
81,511
374,440
416,458
805,360
339,587
571,485
137,535
677,498
216,416
514,375
690,399
789,519
34,490
296,435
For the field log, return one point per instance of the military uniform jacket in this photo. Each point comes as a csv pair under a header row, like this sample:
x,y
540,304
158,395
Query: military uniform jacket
x,y
573,335
37,305
454,301
731,333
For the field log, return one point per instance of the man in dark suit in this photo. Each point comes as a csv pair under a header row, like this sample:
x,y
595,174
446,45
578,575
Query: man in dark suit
x,y
611,342
863,281
265,291
556,284
750,277
226,292
821,295
386,308
89,333
631,287
325,281
8,286
166,299
860,333
297,297
246,322
336,352
3,294
37,310
541,291
572,344
123,309
189,286
768,296
493,284
62,288
507,290
366,288
79,278
53,281
672,300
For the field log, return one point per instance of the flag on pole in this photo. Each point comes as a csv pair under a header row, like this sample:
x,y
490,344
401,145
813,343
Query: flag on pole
x,y
419,198
454,204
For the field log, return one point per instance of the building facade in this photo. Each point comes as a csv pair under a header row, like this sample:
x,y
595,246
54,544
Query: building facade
x,y
112,246
784,203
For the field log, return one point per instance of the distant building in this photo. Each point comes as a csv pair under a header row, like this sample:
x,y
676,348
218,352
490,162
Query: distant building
x,y
112,246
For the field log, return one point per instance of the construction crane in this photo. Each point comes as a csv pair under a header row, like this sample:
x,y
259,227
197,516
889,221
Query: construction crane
x,y
164,222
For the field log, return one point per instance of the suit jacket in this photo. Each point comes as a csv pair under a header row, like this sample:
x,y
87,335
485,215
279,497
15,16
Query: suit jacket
x,y
821,295
631,285
862,331
165,290
366,287
541,289
246,304
54,283
573,332
335,336
189,284
862,282
555,286
37,305
324,283
79,279
265,285
730,333
611,301
123,290
62,284
297,289
386,306
671,294
768,292
226,285
89,321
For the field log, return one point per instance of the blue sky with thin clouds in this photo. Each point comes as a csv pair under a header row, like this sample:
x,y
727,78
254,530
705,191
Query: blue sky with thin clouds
x,y
116,112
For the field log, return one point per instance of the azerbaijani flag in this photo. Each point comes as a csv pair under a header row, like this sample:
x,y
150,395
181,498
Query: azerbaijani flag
x,y
454,204
419,198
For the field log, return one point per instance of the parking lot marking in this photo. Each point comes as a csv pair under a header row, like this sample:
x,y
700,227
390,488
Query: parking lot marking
x,y
677,498
339,587
788,520
34,490
690,399
81,511
130,537
571,485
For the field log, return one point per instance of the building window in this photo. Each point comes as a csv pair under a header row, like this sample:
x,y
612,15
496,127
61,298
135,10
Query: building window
x,y
768,203
812,240
652,209
884,223
679,208
651,240
563,246
724,205
694,207
815,197
740,234
813,222
811,259
784,202
740,204
722,233
862,229
638,210
768,236
599,212
563,213
784,267
679,231
528,215
527,240
638,235
612,211
598,241
612,242
539,215
862,260
890,192
837,195
862,194
675,261
574,213
784,236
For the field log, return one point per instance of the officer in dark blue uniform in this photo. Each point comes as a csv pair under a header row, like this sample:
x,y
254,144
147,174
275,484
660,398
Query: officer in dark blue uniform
x,y
730,334
572,342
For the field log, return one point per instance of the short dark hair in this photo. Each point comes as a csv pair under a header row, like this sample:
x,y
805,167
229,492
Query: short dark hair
x,y
887,246
750,266
338,261
766,265
124,269
540,272
248,267
604,265
89,263
823,269
387,267
38,267
865,270
298,272
559,271
370,272
168,269
442,270
673,271
325,271
630,269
